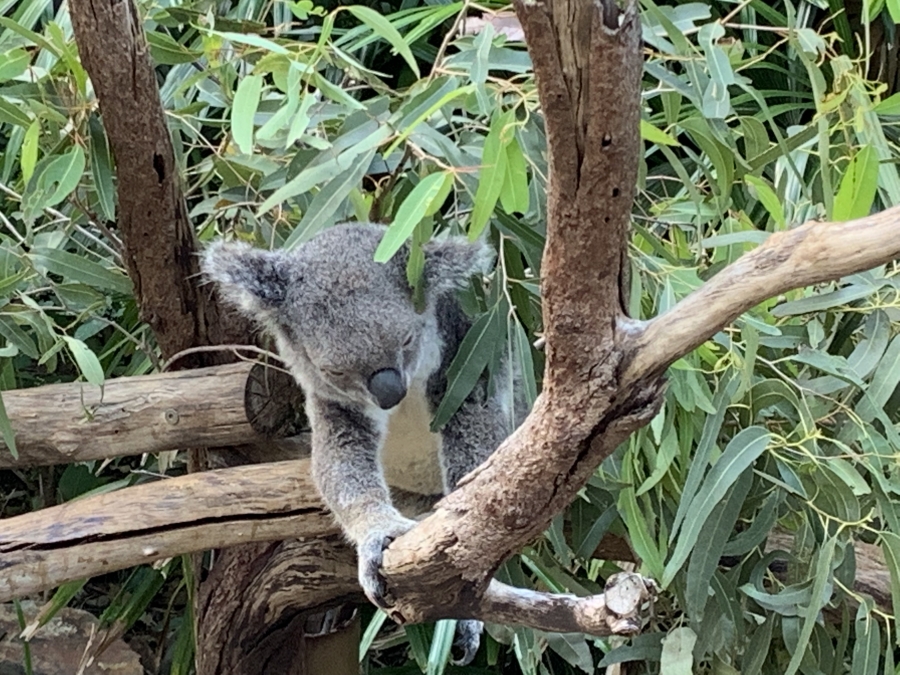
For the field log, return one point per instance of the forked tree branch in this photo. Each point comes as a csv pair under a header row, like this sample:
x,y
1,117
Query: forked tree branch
x,y
601,381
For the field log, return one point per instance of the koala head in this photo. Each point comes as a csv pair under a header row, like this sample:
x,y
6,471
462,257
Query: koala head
x,y
345,325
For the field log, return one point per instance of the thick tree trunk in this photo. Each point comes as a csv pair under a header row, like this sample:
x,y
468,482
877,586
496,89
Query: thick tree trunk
x,y
159,253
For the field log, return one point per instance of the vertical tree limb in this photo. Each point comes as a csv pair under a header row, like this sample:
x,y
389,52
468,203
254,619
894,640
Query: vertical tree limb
x,y
588,66
159,254
159,241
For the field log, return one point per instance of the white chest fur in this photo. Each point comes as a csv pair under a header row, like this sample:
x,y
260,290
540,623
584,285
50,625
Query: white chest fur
x,y
410,452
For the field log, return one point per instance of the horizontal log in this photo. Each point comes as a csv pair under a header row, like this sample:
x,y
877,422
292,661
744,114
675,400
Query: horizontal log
x,y
275,502
62,423
153,521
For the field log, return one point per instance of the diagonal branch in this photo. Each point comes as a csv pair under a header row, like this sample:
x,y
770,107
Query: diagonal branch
x,y
810,254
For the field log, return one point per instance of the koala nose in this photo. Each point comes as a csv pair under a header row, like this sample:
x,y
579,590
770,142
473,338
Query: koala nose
x,y
387,387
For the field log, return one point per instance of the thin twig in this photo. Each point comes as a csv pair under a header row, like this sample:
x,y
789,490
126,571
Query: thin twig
x,y
233,348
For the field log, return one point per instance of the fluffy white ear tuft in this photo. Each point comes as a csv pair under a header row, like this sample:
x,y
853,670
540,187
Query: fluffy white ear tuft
x,y
450,263
253,280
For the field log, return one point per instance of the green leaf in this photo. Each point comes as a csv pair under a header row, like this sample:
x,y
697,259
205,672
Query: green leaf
x,y
769,199
884,382
383,28
243,110
867,646
704,559
102,169
57,180
409,128
417,634
656,136
471,359
890,105
252,41
6,431
636,524
711,428
858,186
441,643
30,149
893,7
739,454
890,544
11,114
678,652
371,632
819,597
425,198
514,196
16,336
326,203
492,174
167,51
77,268
758,649
316,174
13,63
87,361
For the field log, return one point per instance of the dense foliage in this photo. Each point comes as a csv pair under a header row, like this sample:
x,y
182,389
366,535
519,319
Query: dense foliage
x,y
288,117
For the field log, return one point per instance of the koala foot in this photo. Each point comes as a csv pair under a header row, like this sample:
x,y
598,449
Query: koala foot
x,y
466,642
370,553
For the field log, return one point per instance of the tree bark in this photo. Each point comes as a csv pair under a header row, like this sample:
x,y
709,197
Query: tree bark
x,y
159,240
78,422
162,519
602,378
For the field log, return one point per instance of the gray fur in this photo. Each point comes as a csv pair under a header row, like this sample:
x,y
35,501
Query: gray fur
x,y
338,317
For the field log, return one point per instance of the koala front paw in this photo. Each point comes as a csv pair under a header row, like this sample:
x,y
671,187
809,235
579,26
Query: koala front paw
x,y
466,642
371,553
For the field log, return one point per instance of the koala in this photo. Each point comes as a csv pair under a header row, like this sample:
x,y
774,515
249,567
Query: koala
x,y
373,371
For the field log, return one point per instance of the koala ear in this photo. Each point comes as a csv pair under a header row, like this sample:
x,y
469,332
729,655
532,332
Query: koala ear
x,y
450,263
253,280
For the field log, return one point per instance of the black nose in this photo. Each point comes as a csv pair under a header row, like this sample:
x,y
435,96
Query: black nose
x,y
387,387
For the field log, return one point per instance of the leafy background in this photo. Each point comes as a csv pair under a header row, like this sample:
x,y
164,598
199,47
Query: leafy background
x,y
287,117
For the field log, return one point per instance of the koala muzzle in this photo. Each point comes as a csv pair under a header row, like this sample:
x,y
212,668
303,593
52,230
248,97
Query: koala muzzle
x,y
387,387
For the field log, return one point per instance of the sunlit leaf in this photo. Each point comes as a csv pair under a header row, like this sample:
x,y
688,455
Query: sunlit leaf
x,y
382,27
425,198
858,186
87,361
243,111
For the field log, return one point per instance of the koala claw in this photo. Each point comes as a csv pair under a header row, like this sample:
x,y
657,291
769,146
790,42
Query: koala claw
x,y
467,641
371,554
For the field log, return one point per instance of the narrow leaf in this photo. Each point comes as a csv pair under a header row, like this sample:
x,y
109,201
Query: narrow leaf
x,y
74,267
6,431
677,652
471,359
740,453
330,197
383,28
243,110
87,361
491,176
857,191
418,203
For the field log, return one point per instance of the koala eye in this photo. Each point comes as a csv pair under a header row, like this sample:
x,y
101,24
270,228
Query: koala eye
x,y
409,339
334,372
